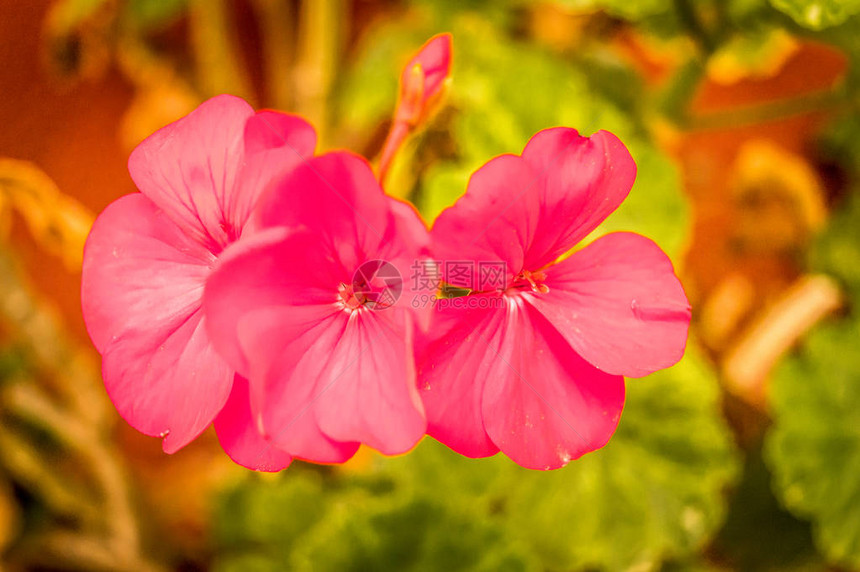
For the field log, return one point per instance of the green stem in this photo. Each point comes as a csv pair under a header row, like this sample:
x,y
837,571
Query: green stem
x,y
393,142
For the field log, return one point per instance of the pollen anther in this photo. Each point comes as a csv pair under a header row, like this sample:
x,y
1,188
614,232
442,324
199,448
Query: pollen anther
x,y
350,300
535,280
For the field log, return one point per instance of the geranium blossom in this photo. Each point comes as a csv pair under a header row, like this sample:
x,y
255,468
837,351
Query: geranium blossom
x,y
534,365
330,363
150,254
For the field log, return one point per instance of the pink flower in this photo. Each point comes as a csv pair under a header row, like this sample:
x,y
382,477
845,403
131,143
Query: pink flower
x,y
532,363
328,352
148,258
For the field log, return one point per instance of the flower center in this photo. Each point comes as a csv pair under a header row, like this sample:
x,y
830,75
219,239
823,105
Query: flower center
x,y
351,300
533,280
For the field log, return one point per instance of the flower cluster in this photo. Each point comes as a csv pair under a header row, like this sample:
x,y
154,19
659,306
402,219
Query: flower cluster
x,y
256,286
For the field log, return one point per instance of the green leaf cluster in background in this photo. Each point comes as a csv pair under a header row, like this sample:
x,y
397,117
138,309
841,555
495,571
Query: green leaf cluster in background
x,y
308,519
654,494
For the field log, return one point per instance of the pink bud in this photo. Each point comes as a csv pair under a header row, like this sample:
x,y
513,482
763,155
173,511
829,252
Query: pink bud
x,y
423,80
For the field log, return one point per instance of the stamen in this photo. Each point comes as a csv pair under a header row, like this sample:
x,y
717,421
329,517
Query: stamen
x,y
349,298
535,280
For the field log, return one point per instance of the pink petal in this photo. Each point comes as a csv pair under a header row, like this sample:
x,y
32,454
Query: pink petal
x,y
495,221
139,269
320,369
274,267
141,292
542,404
275,143
237,432
583,180
288,348
352,378
411,231
453,369
370,387
190,167
407,241
337,196
271,130
619,304
167,381
409,252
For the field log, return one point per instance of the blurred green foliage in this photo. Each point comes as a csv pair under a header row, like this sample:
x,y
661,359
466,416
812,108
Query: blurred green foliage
x,y
153,14
759,534
814,447
818,14
837,248
837,252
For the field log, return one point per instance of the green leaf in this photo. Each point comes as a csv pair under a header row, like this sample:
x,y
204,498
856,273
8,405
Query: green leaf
x,y
258,523
759,534
300,521
837,249
421,534
818,14
814,446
